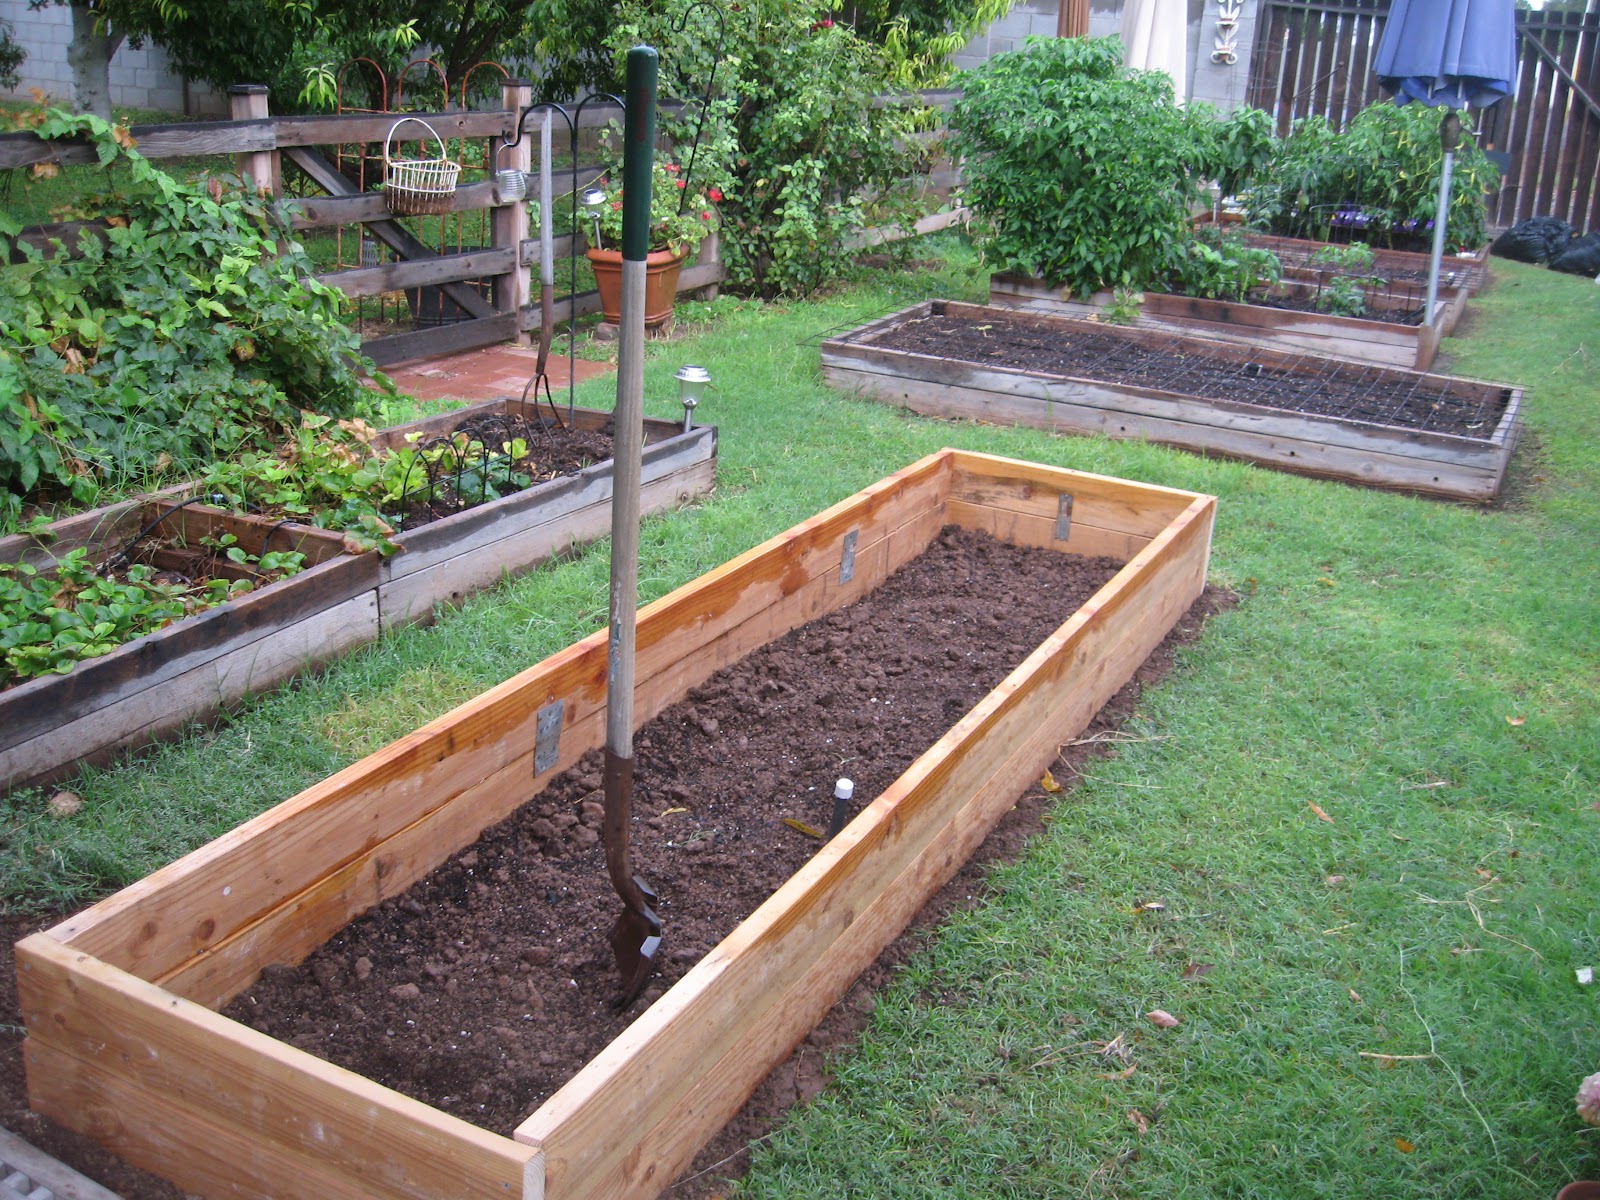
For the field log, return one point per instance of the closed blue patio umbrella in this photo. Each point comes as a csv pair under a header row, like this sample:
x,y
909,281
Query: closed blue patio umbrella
x,y
1448,54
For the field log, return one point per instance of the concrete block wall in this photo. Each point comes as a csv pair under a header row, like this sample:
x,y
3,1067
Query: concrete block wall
x,y
141,78
1216,83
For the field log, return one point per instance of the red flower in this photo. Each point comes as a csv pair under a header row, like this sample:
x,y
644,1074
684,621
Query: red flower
x,y
705,216
682,183
672,168
715,194
616,205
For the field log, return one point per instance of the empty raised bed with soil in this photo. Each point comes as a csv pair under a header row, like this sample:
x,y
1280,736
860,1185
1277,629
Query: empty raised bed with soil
x,y
1283,317
1379,426
124,1042
195,668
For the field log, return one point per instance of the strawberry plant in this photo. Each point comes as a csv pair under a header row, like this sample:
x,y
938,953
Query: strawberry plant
x,y
51,621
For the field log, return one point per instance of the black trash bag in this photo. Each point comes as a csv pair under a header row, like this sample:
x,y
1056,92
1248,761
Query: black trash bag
x,y
1533,240
1581,257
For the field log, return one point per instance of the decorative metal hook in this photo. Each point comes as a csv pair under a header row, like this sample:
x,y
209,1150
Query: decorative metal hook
x,y
571,117
711,84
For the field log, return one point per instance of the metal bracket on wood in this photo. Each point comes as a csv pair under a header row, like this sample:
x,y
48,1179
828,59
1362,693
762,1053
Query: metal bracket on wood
x,y
547,737
847,559
1063,517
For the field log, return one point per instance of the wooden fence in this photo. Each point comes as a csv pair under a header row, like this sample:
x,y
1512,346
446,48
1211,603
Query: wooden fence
x,y
1315,57
261,143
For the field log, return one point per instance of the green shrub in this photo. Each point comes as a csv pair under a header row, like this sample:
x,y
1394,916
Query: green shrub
x,y
189,329
1378,180
1080,171
812,158
1236,147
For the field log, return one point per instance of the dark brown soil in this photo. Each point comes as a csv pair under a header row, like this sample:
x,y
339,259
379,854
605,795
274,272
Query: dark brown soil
x,y
1310,300
489,983
1323,387
449,485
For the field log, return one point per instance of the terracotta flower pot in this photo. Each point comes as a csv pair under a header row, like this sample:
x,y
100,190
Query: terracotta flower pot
x,y
1583,1189
660,283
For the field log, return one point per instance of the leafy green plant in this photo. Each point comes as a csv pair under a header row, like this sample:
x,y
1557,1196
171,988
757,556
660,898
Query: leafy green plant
x,y
1080,171
1344,290
1236,147
331,474
682,209
1216,265
186,328
51,621
1124,306
11,55
1379,180
812,156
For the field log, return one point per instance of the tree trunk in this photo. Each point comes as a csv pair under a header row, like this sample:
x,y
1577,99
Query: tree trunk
x,y
89,56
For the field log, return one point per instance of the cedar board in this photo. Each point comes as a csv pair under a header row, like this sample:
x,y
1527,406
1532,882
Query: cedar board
x,y
1361,339
123,1040
1435,464
195,668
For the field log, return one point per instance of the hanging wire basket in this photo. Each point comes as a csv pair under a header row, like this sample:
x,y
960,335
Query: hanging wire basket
x,y
415,187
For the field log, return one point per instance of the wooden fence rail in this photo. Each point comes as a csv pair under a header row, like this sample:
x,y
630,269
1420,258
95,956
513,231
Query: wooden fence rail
x,y
261,143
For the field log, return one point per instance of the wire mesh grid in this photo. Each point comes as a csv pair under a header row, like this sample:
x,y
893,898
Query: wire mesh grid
x,y
1175,364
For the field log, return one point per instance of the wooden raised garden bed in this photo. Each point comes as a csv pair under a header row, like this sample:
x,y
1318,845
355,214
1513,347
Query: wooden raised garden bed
x,y
1297,412
158,683
196,667
447,560
1405,272
1373,339
124,1042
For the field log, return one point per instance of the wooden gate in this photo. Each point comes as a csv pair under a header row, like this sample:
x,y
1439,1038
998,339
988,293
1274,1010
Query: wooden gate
x,y
1315,57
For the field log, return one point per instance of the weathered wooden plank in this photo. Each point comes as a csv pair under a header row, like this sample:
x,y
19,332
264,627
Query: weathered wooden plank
x,y
749,1001
141,711
1190,427
987,393
1356,338
449,580
446,339
311,1119
393,276
61,1181
179,140
463,534
346,128
317,212
244,625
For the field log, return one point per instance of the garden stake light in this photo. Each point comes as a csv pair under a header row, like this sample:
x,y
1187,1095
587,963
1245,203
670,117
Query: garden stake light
x,y
636,936
692,384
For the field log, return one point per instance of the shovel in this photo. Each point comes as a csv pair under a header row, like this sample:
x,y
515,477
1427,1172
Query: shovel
x,y
636,937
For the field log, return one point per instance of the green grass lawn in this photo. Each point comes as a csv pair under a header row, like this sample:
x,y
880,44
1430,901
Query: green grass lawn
x,y
1425,674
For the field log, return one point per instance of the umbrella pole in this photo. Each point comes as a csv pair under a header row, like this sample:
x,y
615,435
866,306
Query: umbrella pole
x,y
1449,138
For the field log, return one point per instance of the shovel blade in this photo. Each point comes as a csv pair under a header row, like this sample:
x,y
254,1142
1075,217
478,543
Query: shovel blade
x,y
636,941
